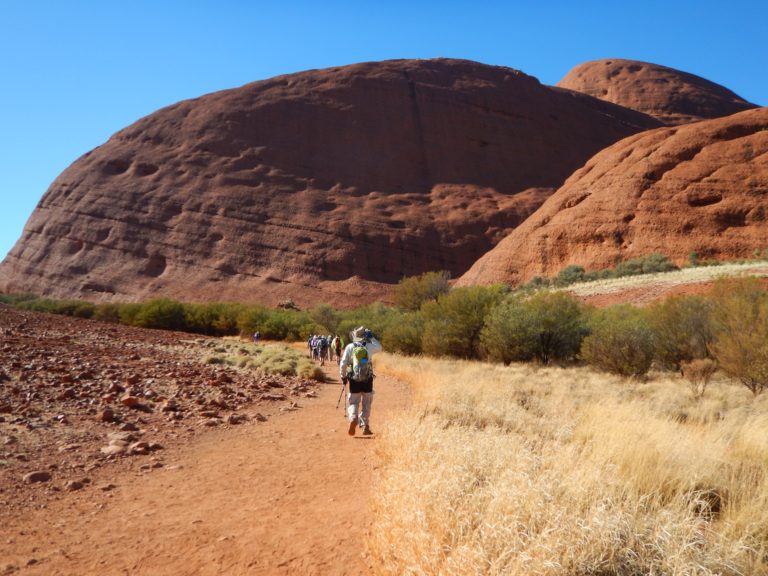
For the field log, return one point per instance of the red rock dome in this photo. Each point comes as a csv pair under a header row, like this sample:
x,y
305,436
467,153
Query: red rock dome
x,y
672,96
322,186
699,188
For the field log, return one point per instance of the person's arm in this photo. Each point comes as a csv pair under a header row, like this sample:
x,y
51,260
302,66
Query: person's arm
x,y
346,360
373,346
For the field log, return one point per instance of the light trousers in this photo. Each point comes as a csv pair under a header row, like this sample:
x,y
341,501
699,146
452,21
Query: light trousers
x,y
359,407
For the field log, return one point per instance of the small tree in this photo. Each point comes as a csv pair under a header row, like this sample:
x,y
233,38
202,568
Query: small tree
x,y
546,326
682,328
570,275
325,317
252,319
621,342
740,312
161,313
403,334
453,323
411,293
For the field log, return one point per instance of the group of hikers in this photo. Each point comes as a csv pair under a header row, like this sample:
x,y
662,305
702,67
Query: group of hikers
x,y
324,348
355,369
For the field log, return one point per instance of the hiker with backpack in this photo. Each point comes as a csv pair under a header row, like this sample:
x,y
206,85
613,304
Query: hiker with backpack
x,y
356,371
322,349
337,345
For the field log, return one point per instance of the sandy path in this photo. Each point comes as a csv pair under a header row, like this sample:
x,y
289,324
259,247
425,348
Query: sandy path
x,y
286,496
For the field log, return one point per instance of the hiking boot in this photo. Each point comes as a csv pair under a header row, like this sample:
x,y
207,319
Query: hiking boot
x,y
352,427
367,431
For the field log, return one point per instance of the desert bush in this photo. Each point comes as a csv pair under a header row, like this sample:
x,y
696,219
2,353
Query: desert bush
x,y
535,283
326,318
77,308
620,341
288,325
376,317
575,273
212,319
403,334
698,373
161,313
107,313
410,293
570,275
646,265
682,328
546,326
740,314
453,323
252,319
16,299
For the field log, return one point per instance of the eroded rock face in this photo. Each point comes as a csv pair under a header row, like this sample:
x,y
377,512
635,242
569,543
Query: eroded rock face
x,y
319,186
672,96
697,188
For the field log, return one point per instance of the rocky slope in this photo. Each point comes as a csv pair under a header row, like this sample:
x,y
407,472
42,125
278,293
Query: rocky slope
x,y
78,395
319,186
702,187
672,96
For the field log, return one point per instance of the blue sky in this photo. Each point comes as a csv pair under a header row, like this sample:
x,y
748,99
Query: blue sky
x,y
73,72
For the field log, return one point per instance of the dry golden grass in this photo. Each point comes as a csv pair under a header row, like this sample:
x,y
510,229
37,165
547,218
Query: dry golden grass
x,y
525,470
273,358
681,277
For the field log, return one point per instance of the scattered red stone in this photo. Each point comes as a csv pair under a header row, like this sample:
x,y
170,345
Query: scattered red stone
x,y
59,422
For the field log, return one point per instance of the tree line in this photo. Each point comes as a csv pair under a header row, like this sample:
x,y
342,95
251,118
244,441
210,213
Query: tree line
x,y
726,328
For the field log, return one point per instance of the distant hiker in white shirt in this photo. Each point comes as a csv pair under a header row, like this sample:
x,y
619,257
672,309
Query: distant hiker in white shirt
x,y
356,371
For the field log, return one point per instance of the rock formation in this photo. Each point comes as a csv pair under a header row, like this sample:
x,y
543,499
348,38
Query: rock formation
x,y
319,186
701,188
672,96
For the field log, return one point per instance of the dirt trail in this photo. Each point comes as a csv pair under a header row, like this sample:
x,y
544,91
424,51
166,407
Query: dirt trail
x,y
286,496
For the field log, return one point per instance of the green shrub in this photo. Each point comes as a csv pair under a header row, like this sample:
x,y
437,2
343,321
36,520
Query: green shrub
x,y
251,319
288,325
326,318
128,313
546,326
107,313
16,299
403,334
620,341
740,314
410,293
161,313
453,323
376,317
647,265
535,283
570,275
682,328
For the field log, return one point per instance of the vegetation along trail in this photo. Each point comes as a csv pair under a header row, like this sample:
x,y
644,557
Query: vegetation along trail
x,y
286,496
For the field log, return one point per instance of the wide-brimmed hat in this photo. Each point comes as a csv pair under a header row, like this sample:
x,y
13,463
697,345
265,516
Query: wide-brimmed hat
x,y
361,333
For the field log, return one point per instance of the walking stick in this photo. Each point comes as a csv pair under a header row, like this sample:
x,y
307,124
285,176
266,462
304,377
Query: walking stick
x,y
343,387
